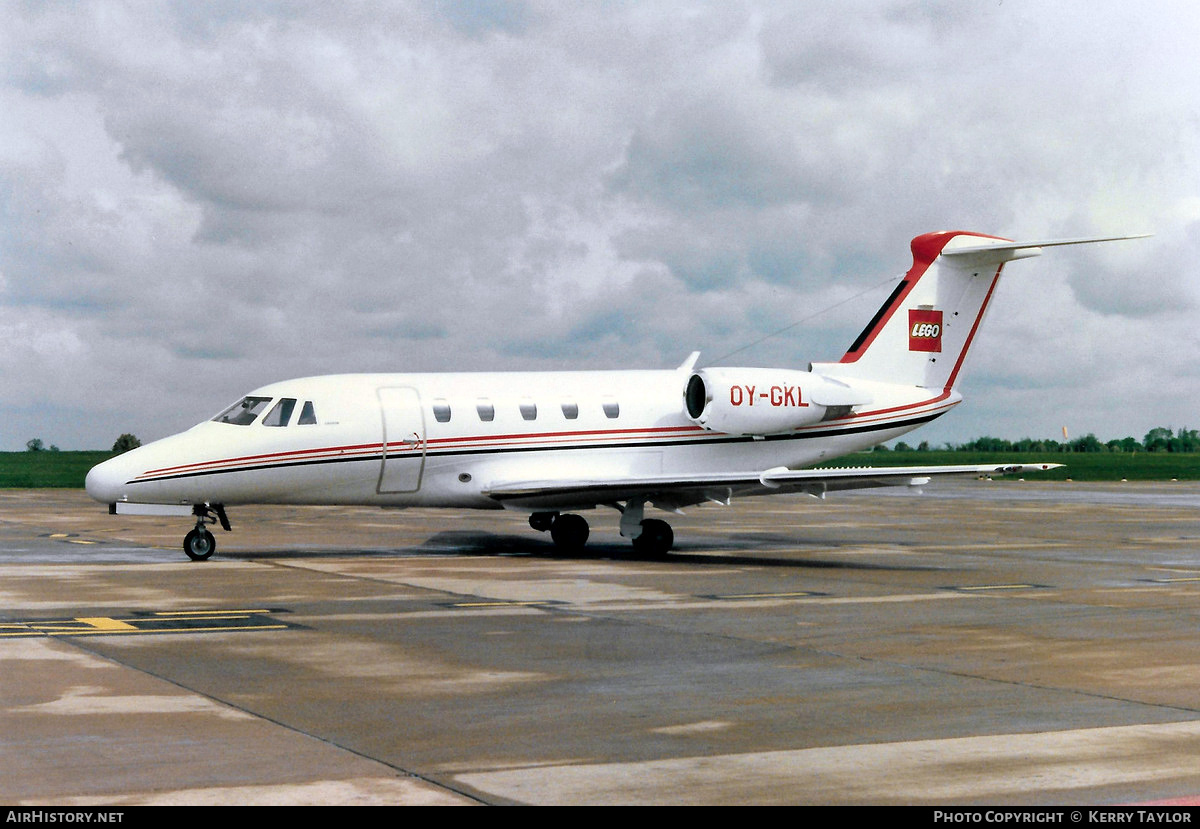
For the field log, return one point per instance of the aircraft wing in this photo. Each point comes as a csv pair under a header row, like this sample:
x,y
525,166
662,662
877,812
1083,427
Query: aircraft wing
x,y
675,491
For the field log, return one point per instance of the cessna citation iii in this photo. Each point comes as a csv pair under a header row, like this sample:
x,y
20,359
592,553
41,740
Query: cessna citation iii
x,y
552,444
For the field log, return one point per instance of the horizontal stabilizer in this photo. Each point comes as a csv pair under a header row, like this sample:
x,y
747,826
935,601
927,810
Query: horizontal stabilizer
x,y
1000,252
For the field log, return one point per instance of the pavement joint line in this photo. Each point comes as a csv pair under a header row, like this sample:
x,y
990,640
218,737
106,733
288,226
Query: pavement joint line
x,y
78,643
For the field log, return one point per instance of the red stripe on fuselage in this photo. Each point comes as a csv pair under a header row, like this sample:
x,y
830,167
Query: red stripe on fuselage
x,y
593,433
292,454
356,451
593,438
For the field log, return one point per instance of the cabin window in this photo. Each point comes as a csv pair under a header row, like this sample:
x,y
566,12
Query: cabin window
x,y
244,411
612,408
281,414
441,410
570,410
487,412
528,409
308,415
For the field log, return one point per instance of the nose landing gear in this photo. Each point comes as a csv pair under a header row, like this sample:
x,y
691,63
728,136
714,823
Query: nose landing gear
x,y
200,544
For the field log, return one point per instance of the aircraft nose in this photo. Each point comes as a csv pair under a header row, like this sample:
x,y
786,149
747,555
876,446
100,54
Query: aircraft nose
x,y
105,481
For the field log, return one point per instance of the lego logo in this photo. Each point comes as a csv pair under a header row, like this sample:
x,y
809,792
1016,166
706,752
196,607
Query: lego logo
x,y
924,330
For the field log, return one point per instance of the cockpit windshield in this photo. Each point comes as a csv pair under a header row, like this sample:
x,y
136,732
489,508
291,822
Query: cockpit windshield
x,y
281,414
244,411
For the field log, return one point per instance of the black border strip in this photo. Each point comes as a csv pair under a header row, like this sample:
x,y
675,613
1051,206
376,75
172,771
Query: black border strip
x,y
883,309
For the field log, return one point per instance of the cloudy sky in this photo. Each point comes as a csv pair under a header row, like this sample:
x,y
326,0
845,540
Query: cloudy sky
x,y
200,198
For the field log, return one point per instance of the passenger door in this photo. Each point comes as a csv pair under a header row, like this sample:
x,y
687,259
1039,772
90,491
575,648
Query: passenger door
x,y
403,439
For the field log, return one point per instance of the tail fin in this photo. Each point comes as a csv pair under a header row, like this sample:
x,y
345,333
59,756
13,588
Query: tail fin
x,y
921,335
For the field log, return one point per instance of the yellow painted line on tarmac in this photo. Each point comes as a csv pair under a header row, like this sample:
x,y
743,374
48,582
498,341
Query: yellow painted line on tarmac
x,y
166,614
983,587
504,604
220,629
105,623
16,631
214,617
797,594
75,627
156,622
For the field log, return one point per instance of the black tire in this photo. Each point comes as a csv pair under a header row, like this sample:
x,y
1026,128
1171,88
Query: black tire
x,y
199,545
570,533
656,539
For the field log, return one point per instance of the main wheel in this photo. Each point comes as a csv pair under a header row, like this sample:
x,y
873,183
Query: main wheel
x,y
656,539
199,545
570,533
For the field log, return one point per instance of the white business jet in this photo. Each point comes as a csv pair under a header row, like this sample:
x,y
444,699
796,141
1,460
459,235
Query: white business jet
x,y
552,444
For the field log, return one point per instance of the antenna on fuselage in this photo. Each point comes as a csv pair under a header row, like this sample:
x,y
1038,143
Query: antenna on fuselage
x,y
809,318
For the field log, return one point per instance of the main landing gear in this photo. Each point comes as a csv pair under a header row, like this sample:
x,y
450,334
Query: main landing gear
x,y
199,544
651,537
656,539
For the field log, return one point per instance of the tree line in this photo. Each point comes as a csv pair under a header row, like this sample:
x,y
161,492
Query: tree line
x,y
1158,439
123,444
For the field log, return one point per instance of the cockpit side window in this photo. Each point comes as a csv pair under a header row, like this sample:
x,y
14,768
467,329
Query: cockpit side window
x,y
244,411
281,414
308,415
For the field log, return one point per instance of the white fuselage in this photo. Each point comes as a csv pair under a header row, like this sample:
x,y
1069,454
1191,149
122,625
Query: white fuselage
x,y
442,440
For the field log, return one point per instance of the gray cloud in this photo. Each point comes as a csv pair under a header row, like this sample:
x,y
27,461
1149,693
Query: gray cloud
x,y
197,199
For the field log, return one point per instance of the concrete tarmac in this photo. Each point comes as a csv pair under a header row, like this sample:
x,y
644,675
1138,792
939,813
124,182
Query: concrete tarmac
x,y
985,643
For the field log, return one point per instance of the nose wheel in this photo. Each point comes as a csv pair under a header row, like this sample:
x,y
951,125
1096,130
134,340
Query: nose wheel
x,y
200,544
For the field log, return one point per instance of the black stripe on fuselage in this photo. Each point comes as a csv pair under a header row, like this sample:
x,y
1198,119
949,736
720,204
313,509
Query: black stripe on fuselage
x,y
445,453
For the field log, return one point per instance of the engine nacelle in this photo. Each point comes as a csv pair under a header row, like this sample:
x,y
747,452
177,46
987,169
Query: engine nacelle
x,y
764,401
